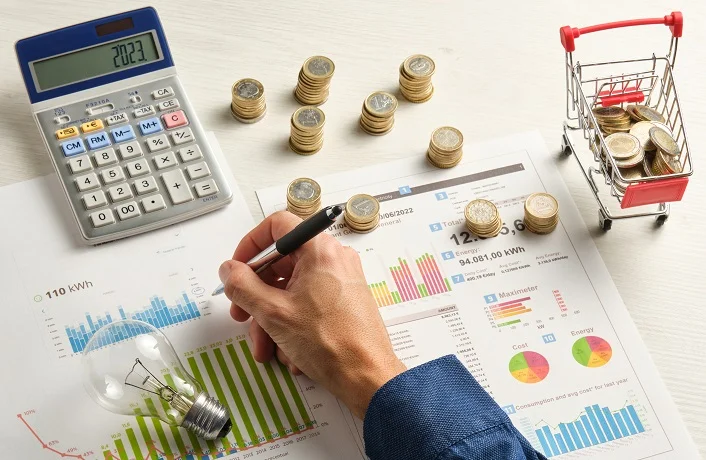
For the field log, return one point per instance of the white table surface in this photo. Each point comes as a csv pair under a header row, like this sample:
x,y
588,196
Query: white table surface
x,y
499,69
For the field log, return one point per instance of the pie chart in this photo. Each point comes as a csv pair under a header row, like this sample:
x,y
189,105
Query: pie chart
x,y
592,351
529,367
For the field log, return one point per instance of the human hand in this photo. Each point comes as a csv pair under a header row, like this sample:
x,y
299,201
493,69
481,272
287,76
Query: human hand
x,y
314,311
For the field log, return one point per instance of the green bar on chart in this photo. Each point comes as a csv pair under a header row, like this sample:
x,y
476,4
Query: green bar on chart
x,y
239,402
121,449
175,431
195,444
295,394
396,296
261,386
107,455
222,398
134,444
448,285
146,434
166,448
508,323
282,399
197,374
423,289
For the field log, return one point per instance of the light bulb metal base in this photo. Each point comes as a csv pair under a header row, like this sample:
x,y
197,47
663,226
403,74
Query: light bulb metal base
x,y
207,418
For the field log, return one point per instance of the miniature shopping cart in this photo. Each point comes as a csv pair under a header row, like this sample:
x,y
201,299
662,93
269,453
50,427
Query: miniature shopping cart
x,y
619,83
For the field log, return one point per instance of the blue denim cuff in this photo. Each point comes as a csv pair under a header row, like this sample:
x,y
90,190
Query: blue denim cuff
x,y
425,410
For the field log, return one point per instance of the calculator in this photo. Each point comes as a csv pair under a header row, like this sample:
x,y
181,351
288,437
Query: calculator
x,y
126,143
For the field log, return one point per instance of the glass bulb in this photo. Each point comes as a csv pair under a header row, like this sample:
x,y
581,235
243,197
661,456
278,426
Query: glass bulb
x,y
131,368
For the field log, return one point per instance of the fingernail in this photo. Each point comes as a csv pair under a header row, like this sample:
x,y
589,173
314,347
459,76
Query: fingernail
x,y
224,270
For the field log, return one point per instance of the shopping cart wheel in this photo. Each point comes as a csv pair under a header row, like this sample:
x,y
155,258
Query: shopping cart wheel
x,y
662,219
565,146
604,221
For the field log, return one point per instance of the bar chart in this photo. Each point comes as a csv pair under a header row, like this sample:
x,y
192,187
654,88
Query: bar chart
x,y
423,280
158,314
595,425
502,314
264,399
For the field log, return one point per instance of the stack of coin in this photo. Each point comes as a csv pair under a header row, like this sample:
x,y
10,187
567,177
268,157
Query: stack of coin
x,y
378,115
307,131
644,113
625,150
541,213
636,172
483,218
445,147
612,119
667,158
415,78
303,197
314,80
362,213
248,104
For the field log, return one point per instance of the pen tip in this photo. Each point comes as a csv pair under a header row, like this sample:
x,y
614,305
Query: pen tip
x,y
337,210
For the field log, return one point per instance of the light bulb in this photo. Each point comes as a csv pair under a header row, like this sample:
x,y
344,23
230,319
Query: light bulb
x,y
131,368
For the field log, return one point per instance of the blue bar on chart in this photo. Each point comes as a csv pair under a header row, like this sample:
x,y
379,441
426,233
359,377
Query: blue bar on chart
x,y
597,426
158,314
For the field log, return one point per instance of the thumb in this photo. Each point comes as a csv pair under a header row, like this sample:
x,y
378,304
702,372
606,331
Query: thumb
x,y
246,290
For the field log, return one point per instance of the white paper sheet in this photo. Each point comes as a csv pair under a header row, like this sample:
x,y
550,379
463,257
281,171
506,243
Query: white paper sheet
x,y
535,318
51,285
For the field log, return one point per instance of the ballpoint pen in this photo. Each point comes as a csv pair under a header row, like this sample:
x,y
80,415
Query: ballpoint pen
x,y
292,240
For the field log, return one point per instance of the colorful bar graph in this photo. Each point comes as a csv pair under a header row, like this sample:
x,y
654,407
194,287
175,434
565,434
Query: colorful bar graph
x,y
158,314
428,282
597,425
508,309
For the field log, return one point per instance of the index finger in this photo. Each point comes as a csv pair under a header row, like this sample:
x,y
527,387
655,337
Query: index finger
x,y
267,232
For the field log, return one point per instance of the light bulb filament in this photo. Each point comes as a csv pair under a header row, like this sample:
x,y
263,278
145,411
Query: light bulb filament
x,y
151,384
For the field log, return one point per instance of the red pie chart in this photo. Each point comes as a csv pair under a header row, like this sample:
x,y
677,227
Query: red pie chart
x,y
529,367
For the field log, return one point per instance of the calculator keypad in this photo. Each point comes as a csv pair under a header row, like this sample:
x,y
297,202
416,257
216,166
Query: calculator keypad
x,y
129,161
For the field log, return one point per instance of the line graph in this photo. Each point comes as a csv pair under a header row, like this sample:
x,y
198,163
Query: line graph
x,y
46,445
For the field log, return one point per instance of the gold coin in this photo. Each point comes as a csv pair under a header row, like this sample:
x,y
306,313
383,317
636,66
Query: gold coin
x,y
447,139
664,142
542,205
648,114
670,164
318,68
632,161
481,212
248,90
612,111
362,208
419,66
381,104
622,145
308,118
303,191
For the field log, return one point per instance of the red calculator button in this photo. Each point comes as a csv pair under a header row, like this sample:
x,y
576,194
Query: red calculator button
x,y
175,119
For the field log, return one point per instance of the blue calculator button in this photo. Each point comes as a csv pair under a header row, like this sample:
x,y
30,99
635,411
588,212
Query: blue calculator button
x,y
98,140
152,125
123,133
73,147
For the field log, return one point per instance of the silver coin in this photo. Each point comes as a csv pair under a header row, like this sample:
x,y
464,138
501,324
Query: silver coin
x,y
421,65
248,90
363,206
303,191
481,212
448,138
309,117
381,102
319,66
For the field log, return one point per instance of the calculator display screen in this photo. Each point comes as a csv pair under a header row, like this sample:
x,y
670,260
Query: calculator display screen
x,y
95,61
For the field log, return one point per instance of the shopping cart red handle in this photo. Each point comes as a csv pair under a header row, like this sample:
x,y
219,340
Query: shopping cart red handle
x,y
568,34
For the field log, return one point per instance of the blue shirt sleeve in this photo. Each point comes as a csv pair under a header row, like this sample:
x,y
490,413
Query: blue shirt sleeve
x,y
437,411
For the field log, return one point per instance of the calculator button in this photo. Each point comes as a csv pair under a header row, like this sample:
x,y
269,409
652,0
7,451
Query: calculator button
x,y
130,150
87,182
71,131
80,164
176,185
98,140
175,119
138,168
165,160
162,93
135,99
122,134
116,119
102,217
144,111
168,105
153,203
182,136
60,120
90,126
105,157
94,200
128,210
150,126
112,175
73,147
120,192
146,185
198,171
109,107
206,188
192,152
157,143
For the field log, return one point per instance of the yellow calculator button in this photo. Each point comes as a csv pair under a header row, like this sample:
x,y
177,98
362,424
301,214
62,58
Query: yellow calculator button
x,y
92,125
71,131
